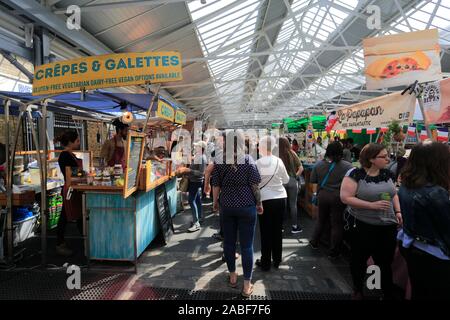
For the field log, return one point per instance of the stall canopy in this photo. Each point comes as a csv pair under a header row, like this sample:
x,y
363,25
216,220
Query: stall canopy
x,y
318,123
104,104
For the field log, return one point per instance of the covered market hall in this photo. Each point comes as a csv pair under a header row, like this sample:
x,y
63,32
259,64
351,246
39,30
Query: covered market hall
x,y
225,150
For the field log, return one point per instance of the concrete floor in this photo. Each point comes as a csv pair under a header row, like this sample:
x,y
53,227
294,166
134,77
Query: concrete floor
x,y
193,261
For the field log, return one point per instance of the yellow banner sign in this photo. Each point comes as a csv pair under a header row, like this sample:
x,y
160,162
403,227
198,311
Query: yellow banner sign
x,y
106,71
165,111
377,113
180,117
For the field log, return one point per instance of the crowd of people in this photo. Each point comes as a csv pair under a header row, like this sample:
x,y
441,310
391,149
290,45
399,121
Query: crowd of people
x,y
376,208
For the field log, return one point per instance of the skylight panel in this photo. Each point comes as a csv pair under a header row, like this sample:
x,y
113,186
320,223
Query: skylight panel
x,y
350,4
198,10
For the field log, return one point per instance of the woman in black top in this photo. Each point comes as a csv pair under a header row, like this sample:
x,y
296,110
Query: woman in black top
x,y
71,142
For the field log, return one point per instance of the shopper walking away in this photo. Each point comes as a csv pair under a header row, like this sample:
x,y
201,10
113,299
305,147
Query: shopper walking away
x,y
374,212
273,196
295,146
425,237
238,185
328,174
196,176
216,156
348,145
294,169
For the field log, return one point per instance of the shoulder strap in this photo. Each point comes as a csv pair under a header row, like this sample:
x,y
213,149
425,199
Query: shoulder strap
x,y
325,179
276,169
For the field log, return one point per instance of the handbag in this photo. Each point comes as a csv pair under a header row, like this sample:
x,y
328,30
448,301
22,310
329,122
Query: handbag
x,y
276,169
315,199
184,184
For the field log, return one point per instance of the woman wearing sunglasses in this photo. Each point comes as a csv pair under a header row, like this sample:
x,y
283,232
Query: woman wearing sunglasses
x,y
374,214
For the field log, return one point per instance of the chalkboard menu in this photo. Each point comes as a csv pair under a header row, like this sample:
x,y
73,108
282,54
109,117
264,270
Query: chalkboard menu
x,y
135,151
164,216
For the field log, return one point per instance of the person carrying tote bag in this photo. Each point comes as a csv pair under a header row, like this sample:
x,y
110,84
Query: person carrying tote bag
x,y
330,172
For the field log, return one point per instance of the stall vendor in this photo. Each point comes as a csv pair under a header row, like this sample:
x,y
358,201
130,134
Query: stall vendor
x,y
155,154
113,150
71,209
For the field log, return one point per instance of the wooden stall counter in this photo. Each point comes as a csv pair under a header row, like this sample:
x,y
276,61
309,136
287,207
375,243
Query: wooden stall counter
x,y
19,199
122,221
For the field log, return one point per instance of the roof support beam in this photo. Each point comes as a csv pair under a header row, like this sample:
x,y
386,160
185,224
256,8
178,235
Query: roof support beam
x,y
120,4
45,17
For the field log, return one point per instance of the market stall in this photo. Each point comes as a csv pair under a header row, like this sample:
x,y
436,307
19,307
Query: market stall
x,y
32,181
122,213
127,210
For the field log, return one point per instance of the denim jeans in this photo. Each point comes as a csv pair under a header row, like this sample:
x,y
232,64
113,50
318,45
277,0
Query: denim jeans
x,y
195,200
244,221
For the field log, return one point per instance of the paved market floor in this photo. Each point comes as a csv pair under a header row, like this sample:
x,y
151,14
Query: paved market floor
x,y
194,261
190,266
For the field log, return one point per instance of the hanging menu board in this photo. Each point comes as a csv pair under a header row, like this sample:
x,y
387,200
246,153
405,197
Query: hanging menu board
x,y
164,216
135,151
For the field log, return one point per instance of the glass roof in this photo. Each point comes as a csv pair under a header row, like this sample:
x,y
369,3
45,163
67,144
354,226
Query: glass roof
x,y
346,76
427,16
220,24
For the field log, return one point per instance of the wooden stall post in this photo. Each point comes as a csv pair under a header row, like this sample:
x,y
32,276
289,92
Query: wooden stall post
x,y
43,136
8,181
149,110
41,173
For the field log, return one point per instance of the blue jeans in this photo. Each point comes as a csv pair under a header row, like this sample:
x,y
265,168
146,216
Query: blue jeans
x,y
195,200
244,221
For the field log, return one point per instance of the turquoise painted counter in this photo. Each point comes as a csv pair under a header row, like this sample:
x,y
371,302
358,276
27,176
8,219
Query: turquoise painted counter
x,y
121,229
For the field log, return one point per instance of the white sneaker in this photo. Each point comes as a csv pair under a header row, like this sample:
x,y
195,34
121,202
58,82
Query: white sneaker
x,y
296,229
195,227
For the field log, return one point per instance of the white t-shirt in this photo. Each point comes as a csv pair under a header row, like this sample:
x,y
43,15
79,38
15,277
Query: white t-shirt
x,y
273,188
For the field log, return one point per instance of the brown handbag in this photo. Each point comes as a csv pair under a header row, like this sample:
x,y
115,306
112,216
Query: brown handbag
x,y
184,184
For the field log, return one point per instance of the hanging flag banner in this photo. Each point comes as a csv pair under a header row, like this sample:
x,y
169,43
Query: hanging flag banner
x,y
377,113
310,134
400,59
442,134
423,135
165,111
106,71
436,102
371,130
331,120
412,131
180,117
